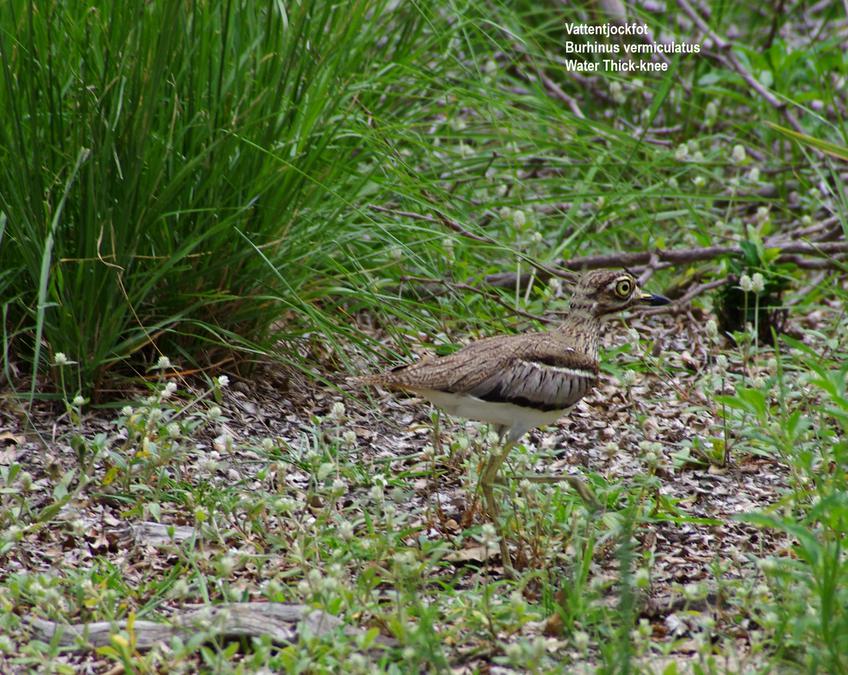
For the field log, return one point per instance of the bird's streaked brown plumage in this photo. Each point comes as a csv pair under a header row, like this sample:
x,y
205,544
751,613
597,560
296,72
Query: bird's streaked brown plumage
x,y
518,382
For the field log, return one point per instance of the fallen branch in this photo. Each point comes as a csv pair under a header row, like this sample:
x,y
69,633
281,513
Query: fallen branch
x,y
692,293
280,622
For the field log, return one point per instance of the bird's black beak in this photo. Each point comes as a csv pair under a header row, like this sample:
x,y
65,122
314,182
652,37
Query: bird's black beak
x,y
654,300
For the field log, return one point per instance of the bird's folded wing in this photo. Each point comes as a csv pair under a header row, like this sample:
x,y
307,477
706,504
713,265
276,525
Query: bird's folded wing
x,y
545,375
542,372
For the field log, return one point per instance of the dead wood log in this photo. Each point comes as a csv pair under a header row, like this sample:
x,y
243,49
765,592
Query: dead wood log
x,y
281,622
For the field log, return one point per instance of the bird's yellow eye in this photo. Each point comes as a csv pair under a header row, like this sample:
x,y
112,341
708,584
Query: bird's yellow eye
x,y
624,288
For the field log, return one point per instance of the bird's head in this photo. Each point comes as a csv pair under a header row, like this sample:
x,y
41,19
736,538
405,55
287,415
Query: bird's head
x,y
602,292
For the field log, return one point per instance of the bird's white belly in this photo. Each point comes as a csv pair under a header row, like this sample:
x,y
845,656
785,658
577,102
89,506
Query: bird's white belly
x,y
504,414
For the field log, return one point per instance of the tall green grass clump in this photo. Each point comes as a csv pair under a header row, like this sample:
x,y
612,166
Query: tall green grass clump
x,y
151,151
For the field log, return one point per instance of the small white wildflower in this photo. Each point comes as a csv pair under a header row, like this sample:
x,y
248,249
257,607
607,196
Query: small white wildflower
x,y
672,183
337,412
738,155
376,493
694,591
330,585
223,381
488,535
339,485
180,589
346,530
163,363
408,653
600,202
349,438
285,505
536,238
173,430
770,620
762,214
25,479
324,470
721,363
806,220
699,181
78,401
490,67
267,444
754,175
629,378
272,587
517,603
581,640
758,283
169,390
396,253
60,359
208,465
505,213
514,652
357,663
681,153
303,587
223,443
126,411
617,92
698,156
519,218
711,328
214,413
641,632
745,283
711,111
611,450
767,565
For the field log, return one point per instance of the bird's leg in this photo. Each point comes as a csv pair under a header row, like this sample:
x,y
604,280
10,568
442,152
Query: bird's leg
x,y
487,483
578,485
435,418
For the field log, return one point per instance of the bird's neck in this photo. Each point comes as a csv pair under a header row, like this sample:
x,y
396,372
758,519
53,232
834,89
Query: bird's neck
x,y
582,325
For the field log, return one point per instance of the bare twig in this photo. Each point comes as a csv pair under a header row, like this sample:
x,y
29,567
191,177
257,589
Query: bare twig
x,y
557,91
649,270
447,222
692,293
690,255
458,285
